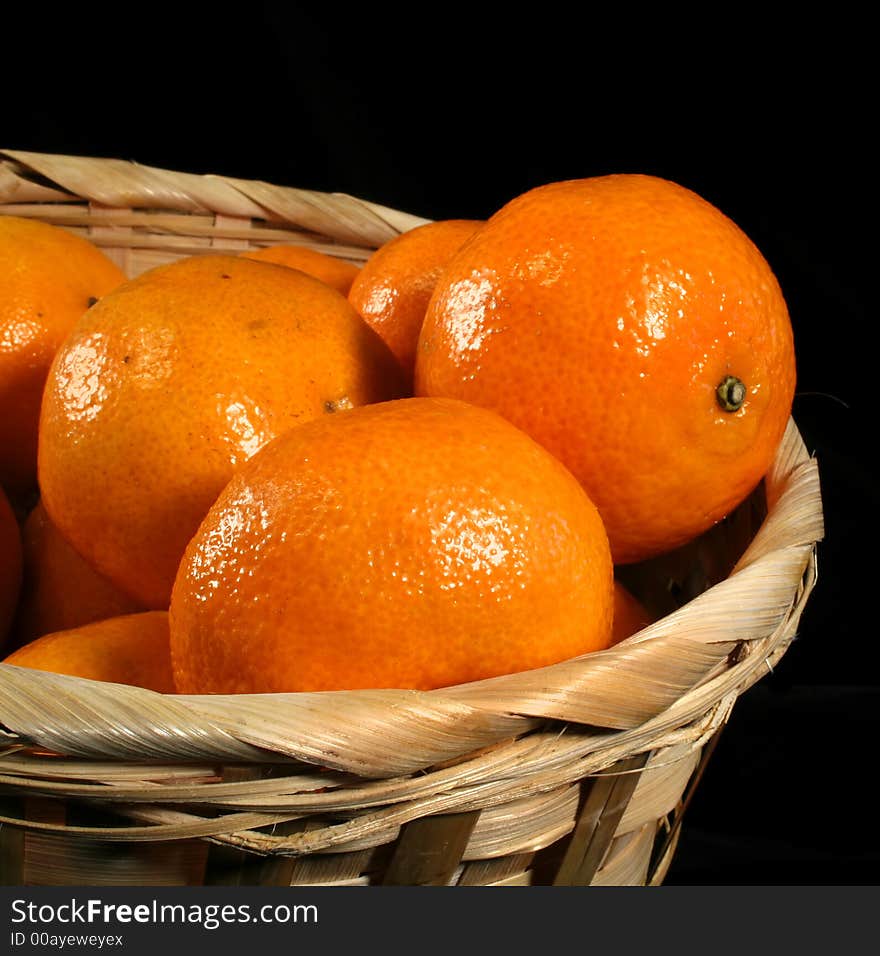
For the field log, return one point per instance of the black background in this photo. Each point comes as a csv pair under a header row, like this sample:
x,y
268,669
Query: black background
x,y
449,112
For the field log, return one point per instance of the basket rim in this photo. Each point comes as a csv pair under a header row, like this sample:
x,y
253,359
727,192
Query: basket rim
x,y
32,184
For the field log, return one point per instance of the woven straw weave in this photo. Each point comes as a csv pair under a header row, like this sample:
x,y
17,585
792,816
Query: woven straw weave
x,y
577,773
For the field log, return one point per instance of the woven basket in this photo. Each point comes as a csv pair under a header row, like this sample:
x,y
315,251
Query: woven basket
x,y
575,774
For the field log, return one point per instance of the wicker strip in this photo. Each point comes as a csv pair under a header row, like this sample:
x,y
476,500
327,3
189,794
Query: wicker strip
x,y
605,802
127,185
563,764
628,860
660,787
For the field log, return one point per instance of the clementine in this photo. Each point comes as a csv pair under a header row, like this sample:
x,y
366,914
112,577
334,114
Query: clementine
x,y
10,565
60,589
336,272
636,332
416,543
171,382
630,614
48,278
394,286
130,649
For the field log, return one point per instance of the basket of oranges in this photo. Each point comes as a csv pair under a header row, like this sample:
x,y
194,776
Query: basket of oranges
x,y
344,547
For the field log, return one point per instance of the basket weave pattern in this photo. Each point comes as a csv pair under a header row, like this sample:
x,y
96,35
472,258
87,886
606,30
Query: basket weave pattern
x,y
578,773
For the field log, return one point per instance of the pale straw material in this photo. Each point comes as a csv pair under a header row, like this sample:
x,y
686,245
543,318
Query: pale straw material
x,y
574,773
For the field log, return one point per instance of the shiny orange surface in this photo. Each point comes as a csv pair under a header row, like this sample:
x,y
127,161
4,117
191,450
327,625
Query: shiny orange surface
x,y
600,316
48,277
416,543
173,381
393,288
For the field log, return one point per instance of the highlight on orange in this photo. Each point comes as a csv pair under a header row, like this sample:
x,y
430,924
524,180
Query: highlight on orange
x,y
411,544
394,286
637,333
170,383
49,277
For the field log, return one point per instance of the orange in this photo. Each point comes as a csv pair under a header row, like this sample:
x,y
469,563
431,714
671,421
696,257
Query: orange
x,y
130,649
630,615
395,284
10,565
60,590
172,381
415,544
48,278
338,273
636,332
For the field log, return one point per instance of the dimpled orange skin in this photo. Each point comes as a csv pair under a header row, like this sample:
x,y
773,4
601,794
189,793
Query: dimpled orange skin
x,y
60,589
130,649
10,565
394,286
600,316
412,544
170,383
336,272
48,277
